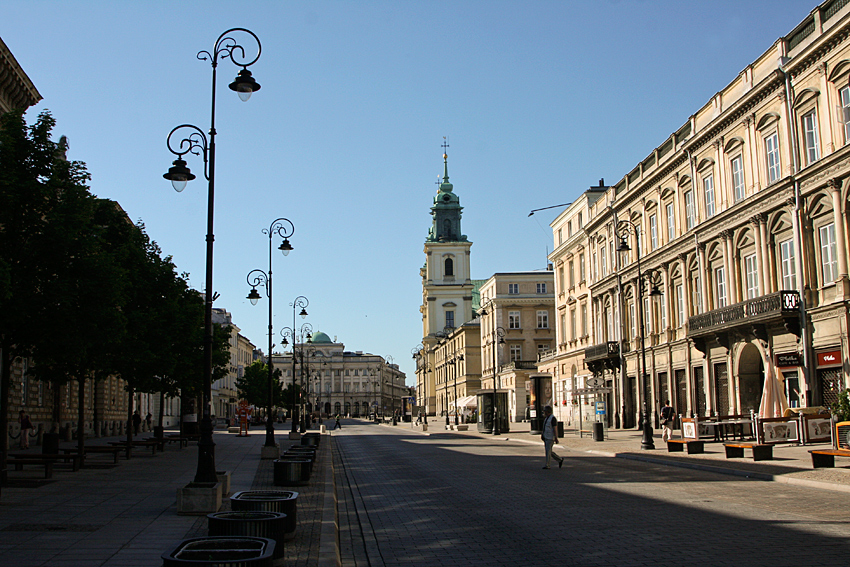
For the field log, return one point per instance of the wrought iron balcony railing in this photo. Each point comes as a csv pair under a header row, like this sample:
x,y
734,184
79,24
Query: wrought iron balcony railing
x,y
774,306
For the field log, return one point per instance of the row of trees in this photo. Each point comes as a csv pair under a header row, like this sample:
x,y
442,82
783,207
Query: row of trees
x,y
84,291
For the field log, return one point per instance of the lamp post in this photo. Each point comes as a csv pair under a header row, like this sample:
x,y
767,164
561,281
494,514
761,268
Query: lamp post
x,y
497,339
284,228
624,228
457,358
179,174
389,361
301,302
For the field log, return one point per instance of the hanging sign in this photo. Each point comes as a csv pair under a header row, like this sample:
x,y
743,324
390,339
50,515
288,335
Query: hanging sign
x,y
786,360
831,358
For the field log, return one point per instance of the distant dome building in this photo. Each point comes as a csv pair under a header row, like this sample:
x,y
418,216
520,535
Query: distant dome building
x,y
342,382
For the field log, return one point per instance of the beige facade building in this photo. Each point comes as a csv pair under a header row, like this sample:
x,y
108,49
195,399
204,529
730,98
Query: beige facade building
x,y
517,311
458,370
570,260
337,381
738,224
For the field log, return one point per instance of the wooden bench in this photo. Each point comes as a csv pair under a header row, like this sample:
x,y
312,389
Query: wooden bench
x,y
19,463
694,446
123,444
180,440
39,458
825,458
114,451
761,452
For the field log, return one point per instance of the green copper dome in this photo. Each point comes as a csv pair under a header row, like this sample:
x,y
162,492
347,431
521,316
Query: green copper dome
x,y
321,338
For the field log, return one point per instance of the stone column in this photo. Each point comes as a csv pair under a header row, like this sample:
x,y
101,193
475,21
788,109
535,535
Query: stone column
x,y
840,242
686,285
767,280
703,280
749,155
759,256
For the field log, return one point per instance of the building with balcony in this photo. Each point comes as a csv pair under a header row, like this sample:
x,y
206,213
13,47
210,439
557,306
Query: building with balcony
x,y
723,255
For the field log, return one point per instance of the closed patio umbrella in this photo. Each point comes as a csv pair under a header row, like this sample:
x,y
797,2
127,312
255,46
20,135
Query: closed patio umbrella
x,y
773,401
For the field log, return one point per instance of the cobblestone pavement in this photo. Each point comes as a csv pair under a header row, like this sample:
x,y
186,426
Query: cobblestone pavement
x,y
458,498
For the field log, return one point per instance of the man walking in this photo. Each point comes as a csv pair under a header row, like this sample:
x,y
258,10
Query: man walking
x,y
667,422
550,436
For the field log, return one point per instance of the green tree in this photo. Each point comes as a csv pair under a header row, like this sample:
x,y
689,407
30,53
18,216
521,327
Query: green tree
x,y
37,186
253,386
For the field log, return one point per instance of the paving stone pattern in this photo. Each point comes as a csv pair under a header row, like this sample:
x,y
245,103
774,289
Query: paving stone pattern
x,y
463,499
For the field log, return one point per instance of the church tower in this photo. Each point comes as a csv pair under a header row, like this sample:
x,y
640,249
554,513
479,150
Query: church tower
x,y
446,280
446,285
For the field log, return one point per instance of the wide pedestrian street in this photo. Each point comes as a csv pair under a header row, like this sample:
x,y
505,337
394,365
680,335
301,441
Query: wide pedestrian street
x,y
461,499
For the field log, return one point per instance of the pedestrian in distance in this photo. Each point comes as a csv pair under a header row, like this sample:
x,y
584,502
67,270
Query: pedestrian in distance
x,y
26,426
337,425
667,416
137,422
550,436
148,420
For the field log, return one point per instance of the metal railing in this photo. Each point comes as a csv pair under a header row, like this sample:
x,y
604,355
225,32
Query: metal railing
x,y
779,304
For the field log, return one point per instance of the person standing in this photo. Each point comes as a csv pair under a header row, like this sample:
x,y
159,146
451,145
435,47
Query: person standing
x,y
26,426
550,437
667,422
137,422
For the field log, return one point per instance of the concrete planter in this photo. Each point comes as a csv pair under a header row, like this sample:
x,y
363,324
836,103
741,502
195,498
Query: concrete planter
x,y
291,472
222,552
270,525
224,479
282,501
199,498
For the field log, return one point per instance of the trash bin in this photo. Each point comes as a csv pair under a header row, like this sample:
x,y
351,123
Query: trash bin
x,y
560,430
598,431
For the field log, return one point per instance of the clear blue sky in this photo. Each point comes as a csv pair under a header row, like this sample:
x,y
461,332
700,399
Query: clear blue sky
x,y
539,100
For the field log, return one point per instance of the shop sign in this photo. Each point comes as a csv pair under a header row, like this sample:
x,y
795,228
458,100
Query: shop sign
x,y
830,358
790,359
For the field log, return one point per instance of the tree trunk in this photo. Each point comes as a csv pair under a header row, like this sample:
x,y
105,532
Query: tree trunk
x,y
81,418
130,400
5,382
161,407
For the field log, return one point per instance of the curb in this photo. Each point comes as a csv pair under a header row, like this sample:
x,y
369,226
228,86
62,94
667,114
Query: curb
x,y
329,534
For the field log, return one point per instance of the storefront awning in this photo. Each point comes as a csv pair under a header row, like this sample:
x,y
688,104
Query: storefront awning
x,y
467,402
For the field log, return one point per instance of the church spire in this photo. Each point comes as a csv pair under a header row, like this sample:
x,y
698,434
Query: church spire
x,y
446,210
446,162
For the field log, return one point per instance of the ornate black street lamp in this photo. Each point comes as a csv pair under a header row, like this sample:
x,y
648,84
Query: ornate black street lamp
x,y
498,338
283,228
624,228
300,302
457,358
196,142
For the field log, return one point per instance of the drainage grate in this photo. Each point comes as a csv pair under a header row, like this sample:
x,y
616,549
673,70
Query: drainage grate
x,y
29,527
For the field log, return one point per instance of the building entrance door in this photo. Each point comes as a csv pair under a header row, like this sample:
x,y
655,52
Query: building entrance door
x,y
750,378
721,389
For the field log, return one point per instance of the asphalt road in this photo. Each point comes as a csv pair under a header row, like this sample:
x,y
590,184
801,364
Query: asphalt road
x,y
405,498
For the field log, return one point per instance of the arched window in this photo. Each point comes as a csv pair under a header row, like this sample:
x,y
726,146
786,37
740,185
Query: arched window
x,y
449,268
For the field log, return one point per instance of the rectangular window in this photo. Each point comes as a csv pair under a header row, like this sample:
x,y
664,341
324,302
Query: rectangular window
x,y
513,289
663,306
789,265
541,288
516,353
752,272
513,320
584,319
561,278
671,223
720,286
632,321
771,150
569,229
603,260
845,112
560,236
653,231
828,258
810,136
708,189
690,214
737,165
697,296
573,326
647,315
595,267
572,272
680,304
563,328
542,319
580,222
450,319
581,269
